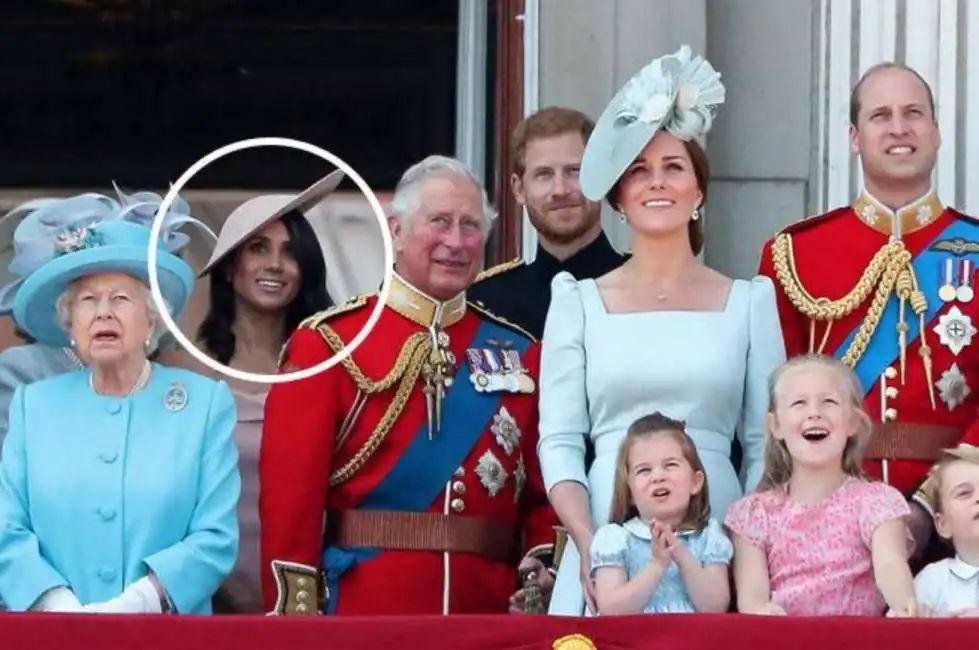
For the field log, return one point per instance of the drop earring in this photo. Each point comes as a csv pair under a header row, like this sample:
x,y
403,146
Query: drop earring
x,y
696,214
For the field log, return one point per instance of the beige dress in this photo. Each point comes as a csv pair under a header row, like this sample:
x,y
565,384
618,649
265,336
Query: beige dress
x,y
242,592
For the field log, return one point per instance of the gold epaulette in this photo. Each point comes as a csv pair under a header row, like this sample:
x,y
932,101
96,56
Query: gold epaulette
x,y
480,308
353,303
500,268
317,320
811,220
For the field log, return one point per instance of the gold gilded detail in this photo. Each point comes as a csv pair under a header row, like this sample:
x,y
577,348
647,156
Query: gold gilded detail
x,y
499,268
405,372
574,642
313,322
889,272
481,309
298,589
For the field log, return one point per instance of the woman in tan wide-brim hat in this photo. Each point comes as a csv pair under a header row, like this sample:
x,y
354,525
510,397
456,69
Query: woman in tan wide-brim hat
x,y
267,274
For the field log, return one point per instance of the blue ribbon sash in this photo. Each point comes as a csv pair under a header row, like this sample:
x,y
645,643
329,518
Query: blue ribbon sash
x,y
420,475
884,347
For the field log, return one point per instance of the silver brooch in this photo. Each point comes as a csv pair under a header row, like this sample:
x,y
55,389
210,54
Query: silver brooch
x,y
491,473
505,429
176,397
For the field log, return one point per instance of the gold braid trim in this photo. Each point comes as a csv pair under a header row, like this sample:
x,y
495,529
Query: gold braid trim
x,y
499,268
890,271
881,274
405,372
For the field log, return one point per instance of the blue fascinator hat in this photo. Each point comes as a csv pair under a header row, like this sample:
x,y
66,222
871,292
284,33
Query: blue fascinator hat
x,y
60,241
678,93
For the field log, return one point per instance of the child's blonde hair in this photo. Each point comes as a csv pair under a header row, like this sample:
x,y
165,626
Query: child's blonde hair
x,y
778,462
963,452
656,424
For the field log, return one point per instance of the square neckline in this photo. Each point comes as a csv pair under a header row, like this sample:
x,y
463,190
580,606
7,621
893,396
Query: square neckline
x,y
597,296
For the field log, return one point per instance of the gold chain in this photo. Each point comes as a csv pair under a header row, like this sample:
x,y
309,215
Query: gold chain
x,y
406,369
890,268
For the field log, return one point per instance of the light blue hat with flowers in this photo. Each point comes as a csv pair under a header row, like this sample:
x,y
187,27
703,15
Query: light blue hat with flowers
x,y
59,241
678,93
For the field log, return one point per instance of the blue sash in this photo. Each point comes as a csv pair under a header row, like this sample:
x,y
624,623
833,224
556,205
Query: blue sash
x,y
884,347
420,475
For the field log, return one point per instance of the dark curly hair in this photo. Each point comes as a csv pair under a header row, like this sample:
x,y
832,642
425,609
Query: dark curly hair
x,y
215,331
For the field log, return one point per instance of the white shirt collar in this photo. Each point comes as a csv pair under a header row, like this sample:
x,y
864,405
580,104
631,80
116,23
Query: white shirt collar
x,y
640,528
963,569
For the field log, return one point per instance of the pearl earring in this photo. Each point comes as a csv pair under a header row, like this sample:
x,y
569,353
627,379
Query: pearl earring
x,y
622,218
696,214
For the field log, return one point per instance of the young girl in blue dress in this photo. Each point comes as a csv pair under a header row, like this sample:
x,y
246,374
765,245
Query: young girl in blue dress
x,y
661,551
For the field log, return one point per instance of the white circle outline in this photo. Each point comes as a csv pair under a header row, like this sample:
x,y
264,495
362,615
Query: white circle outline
x,y
171,196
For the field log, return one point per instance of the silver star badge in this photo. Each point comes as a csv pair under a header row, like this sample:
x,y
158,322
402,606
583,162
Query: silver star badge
x,y
924,214
955,330
505,429
952,387
869,214
491,474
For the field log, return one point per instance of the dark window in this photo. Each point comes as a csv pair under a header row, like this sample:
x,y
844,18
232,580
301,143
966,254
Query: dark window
x,y
100,90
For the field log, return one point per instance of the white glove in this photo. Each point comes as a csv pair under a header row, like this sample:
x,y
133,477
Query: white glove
x,y
141,597
59,599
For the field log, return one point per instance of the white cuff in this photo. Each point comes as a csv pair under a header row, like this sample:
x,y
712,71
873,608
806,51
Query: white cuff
x,y
142,598
59,599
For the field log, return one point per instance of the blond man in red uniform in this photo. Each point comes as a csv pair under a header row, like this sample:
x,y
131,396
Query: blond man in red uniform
x,y
887,284
405,480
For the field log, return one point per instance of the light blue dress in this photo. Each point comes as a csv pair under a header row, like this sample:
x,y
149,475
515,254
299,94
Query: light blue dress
x,y
95,491
628,546
602,371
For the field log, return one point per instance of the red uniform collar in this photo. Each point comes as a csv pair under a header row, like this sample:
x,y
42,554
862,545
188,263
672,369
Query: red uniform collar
x,y
913,216
417,306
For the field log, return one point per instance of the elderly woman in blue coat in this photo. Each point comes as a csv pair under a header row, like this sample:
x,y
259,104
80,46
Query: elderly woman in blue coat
x,y
119,482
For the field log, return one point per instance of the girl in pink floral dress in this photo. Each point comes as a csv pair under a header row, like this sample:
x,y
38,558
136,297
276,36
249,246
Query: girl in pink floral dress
x,y
817,539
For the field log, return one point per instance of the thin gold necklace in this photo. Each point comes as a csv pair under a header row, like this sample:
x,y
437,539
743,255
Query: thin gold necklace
x,y
143,378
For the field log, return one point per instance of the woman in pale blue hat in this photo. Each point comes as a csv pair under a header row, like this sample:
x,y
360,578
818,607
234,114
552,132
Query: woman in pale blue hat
x,y
661,333
119,482
28,226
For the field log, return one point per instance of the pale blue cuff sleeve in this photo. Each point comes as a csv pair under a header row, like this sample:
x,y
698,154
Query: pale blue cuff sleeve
x,y
564,421
609,547
718,548
192,570
24,573
766,352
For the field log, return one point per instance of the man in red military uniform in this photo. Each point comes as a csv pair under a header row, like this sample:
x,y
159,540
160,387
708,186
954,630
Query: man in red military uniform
x,y
887,284
405,480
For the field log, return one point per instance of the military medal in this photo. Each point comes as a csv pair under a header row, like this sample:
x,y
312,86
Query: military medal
x,y
965,292
947,291
955,330
952,387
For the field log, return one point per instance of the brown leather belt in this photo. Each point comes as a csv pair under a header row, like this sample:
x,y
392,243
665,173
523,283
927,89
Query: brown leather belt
x,y
424,531
908,441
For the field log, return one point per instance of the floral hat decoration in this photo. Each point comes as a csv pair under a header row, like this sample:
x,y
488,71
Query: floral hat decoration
x,y
61,240
678,93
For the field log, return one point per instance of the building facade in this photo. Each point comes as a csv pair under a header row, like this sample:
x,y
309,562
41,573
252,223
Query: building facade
x,y
779,149
381,86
